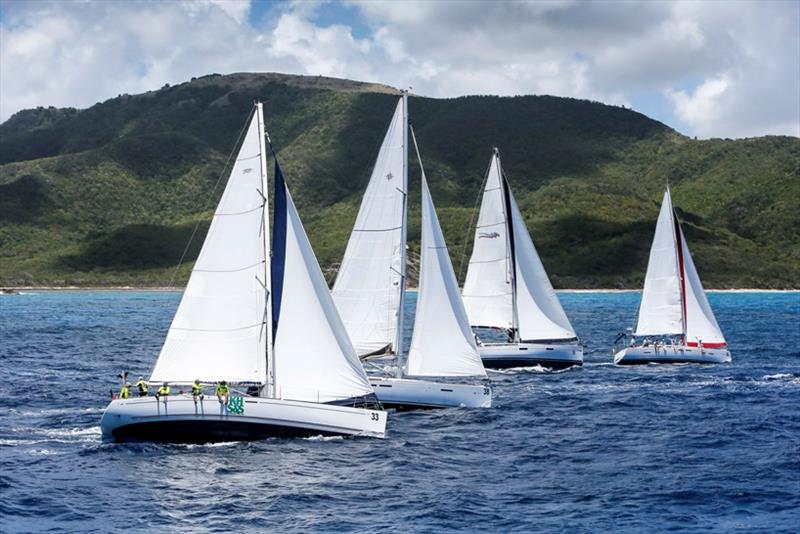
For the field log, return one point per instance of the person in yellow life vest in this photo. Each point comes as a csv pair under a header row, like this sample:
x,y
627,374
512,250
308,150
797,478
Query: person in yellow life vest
x,y
163,391
142,386
197,391
125,392
222,392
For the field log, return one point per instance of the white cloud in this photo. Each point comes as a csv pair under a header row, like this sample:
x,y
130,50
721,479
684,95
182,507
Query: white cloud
x,y
701,65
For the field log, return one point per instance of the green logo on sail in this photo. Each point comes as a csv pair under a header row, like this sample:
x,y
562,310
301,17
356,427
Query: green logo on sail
x,y
236,405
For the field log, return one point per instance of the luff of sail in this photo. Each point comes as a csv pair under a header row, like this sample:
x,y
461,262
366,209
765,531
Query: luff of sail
x,y
487,292
539,312
442,343
313,356
368,286
661,309
218,330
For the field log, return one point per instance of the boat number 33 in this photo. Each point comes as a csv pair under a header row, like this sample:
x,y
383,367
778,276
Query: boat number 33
x,y
375,416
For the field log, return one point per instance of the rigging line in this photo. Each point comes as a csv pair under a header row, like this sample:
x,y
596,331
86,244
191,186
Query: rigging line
x,y
210,196
473,220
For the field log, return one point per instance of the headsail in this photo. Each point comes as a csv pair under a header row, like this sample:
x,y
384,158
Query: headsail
x,y
314,359
540,315
487,290
661,309
368,286
218,332
701,325
442,343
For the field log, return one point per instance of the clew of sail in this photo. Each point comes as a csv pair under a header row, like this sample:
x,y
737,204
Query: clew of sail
x,y
218,330
442,343
488,289
540,315
314,363
661,309
368,284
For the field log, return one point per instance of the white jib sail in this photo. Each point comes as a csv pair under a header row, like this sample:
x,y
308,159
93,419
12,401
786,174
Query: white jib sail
x,y
539,312
368,285
218,332
660,311
314,359
487,287
701,325
442,343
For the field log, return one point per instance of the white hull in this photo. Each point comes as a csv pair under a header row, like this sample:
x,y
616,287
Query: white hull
x,y
407,394
179,419
670,354
555,356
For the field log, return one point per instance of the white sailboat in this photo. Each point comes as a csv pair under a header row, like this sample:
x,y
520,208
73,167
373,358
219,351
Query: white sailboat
x,y
676,323
507,288
258,318
442,344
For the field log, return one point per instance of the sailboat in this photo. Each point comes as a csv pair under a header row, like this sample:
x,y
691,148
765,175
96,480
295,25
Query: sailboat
x,y
676,323
507,288
261,318
442,344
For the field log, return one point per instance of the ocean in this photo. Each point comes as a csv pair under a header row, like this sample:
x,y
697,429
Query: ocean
x,y
651,448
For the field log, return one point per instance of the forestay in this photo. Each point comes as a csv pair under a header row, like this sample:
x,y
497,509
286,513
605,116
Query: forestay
x,y
701,325
314,359
218,330
661,310
368,284
487,290
540,315
442,343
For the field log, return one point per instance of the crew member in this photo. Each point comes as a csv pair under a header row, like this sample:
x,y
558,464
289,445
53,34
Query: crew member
x,y
222,392
125,392
163,391
197,391
142,386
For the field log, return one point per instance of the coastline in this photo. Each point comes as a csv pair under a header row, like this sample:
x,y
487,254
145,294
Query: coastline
x,y
413,289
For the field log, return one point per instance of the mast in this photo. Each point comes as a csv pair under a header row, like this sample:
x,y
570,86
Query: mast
x,y
511,251
676,235
398,344
270,378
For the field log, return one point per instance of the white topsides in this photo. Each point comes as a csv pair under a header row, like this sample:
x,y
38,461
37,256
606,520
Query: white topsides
x,y
368,285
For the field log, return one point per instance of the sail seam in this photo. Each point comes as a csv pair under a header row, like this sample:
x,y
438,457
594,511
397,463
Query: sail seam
x,y
229,270
379,229
250,157
239,212
217,329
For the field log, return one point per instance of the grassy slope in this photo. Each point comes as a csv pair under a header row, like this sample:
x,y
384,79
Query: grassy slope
x,y
111,194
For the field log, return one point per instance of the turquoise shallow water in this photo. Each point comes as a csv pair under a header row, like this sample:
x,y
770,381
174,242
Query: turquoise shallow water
x,y
650,448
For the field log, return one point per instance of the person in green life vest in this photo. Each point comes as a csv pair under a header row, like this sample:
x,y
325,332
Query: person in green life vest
x,y
142,386
163,391
197,391
222,392
125,392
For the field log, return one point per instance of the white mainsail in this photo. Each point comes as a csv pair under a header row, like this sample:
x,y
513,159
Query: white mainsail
x,y
314,358
442,343
487,290
701,325
368,286
218,332
540,315
661,310
491,296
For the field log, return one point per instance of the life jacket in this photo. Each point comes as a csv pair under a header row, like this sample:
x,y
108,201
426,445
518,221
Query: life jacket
x,y
142,385
124,393
163,390
222,389
197,389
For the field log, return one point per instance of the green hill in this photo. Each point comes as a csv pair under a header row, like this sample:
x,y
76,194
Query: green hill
x,y
111,194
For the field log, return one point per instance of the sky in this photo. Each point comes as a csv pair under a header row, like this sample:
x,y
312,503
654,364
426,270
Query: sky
x,y
708,69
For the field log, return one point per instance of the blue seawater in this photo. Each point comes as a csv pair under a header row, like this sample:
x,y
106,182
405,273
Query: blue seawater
x,y
597,448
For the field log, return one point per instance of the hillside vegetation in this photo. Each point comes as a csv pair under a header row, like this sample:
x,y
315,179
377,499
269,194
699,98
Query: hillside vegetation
x,y
111,195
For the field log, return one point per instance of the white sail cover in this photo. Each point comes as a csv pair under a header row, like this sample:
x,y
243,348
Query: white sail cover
x,y
701,325
218,332
368,285
314,359
488,285
442,343
539,312
661,309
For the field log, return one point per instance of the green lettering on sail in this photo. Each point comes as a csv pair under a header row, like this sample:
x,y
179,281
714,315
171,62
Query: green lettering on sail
x,y
236,405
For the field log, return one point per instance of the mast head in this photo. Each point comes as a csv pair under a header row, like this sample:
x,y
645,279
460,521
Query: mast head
x,y
496,151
